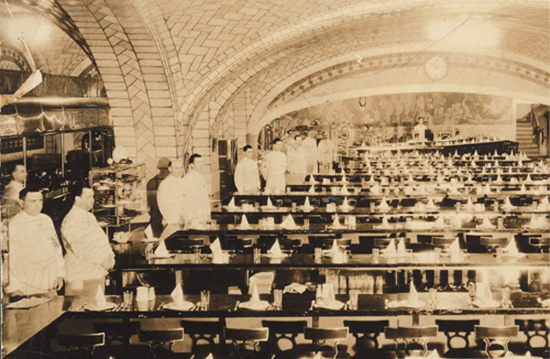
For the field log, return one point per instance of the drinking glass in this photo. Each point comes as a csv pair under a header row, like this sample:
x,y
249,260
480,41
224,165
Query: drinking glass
x,y
278,298
432,297
376,253
306,223
213,224
128,296
318,253
257,255
354,299
205,299
197,254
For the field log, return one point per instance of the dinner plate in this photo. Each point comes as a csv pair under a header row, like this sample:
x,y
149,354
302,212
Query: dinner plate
x,y
483,304
93,307
282,255
261,305
407,304
185,306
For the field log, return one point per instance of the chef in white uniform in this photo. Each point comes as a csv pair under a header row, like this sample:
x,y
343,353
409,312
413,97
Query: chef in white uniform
x,y
35,257
310,146
419,131
327,154
274,169
88,256
247,176
19,176
170,199
296,162
196,195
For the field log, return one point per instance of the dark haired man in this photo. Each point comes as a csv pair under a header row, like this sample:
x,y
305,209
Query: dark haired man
x,y
89,255
274,169
36,259
196,205
19,176
247,177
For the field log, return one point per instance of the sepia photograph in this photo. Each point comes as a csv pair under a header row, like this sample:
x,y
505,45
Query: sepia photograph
x,y
275,179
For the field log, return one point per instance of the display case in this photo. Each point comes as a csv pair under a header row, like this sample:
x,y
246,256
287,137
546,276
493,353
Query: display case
x,y
120,193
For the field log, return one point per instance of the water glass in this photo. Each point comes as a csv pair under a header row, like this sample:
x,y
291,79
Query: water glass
x,y
257,255
505,297
318,253
214,224
354,299
278,298
128,296
205,299
293,206
376,253
306,223
142,294
197,254
152,295
432,297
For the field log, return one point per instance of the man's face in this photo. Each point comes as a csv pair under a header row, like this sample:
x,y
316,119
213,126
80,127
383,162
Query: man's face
x,y
20,173
32,204
198,164
278,146
86,199
249,153
298,140
176,169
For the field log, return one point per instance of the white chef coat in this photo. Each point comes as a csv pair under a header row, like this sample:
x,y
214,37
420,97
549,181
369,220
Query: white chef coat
x,y
247,176
12,190
35,256
196,197
327,151
170,200
273,169
419,132
310,146
86,245
296,162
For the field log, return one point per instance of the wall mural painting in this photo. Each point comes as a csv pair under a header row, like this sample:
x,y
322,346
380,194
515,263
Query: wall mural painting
x,y
391,117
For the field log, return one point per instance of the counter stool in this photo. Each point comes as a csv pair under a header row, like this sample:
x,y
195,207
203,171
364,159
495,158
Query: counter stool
x,y
203,336
80,345
161,342
541,242
457,330
496,339
366,335
416,338
340,242
320,240
327,337
239,245
492,243
281,331
117,339
367,241
246,341
535,330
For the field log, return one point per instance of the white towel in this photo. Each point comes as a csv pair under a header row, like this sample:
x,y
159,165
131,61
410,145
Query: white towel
x,y
307,206
413,293
336,222
275,250
390,250
244,223
231,204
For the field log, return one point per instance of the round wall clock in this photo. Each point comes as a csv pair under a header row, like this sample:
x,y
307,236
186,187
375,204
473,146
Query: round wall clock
x,y
436,68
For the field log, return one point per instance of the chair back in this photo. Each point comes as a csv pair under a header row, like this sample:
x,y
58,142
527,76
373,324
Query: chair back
x,y
457,330
117,331
202,331
416,338
496,339
366,331
81,345
324,336
535,330
243,338
283,331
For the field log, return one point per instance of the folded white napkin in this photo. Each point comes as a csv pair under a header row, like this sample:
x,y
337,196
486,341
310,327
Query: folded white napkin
x,y
177,295
312,189
336,222
473,164
523,189
244,223
344,190
507,206
384,205
385,224
231,204
288,223
390,250
544,204
375,190
345,206
312,179
499,179
99,297
344,179
149,233
512,247
275,250
455,252
269,203
431,204
255,298
486,223
439,223
307,206
483,294
413,293
469,205
210,356
161,250
295,288
217,253
401,250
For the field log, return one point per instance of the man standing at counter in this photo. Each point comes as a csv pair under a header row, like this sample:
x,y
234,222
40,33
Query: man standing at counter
x,y
35,258
170,199
310,146
196,196
247,177
89,255
274,169
19,176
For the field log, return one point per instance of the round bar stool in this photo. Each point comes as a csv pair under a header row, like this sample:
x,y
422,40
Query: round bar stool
x,y
416,338
366,335
284,331
535,330
496,339
457,330
203,334
161,342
